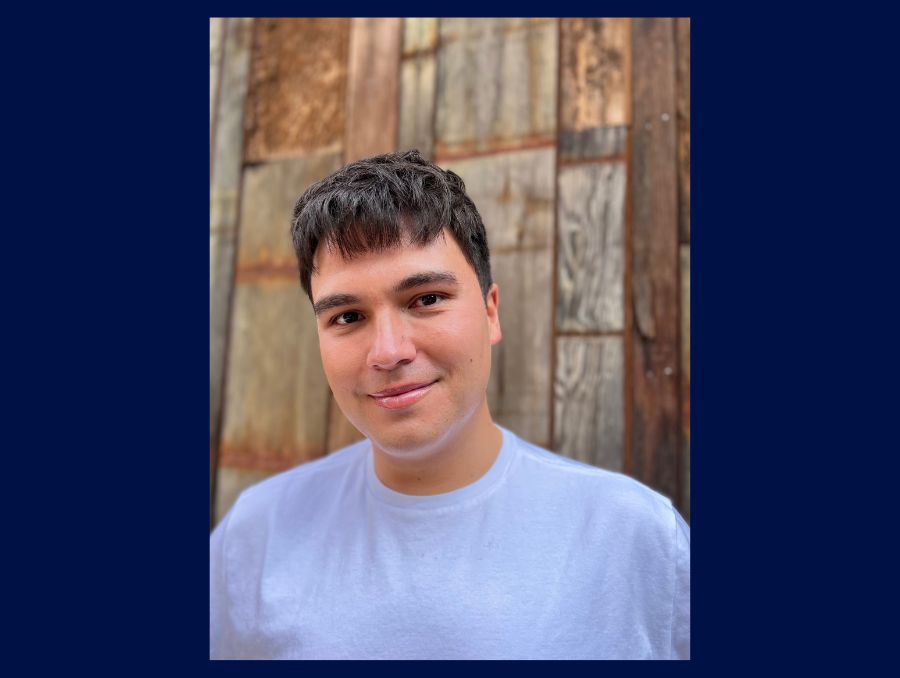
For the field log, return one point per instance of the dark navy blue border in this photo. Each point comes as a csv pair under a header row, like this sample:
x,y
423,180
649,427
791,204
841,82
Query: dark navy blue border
x,y
108,372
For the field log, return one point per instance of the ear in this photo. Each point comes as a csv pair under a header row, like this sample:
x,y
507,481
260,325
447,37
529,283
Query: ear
x,y
492,302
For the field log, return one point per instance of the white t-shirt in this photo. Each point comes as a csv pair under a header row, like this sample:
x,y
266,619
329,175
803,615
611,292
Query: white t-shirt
x,y
541,558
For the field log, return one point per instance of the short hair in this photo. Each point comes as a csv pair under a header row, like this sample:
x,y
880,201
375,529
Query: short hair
x,y
384,202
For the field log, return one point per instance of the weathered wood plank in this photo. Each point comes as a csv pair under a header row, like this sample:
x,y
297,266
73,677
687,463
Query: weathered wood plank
x,y
216,42
227,152
233,481
297,87
285,423
417,104
225,173
685,253
269,193
276,393
683,103
514,193
520,383
496,85
592,144
372,87
589,400
419,34
655,435
595,87
221,280
590,253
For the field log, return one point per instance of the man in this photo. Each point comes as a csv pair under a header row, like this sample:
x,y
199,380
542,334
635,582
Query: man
x,y
442,535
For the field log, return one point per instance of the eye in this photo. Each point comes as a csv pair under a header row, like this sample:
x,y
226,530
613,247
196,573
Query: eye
x,y
428,300
347,318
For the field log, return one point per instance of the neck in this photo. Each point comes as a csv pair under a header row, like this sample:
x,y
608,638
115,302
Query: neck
x,y
459,459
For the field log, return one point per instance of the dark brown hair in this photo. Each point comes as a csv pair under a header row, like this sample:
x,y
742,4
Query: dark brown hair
x,y
384,202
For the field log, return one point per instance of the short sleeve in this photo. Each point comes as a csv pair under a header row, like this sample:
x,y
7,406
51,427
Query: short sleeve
x,y
681,605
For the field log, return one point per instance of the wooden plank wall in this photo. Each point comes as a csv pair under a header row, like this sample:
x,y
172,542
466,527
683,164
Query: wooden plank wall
x,y
229,62
573,138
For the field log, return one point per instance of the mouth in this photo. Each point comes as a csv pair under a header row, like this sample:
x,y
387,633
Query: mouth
x,y
402,396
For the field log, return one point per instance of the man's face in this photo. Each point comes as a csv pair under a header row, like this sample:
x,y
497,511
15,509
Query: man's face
x,y
405,337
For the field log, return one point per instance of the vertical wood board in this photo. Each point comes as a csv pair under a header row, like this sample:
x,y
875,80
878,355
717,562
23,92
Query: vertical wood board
x,y
520,383
683,94
417,82
595,87
372,87
277,396
496,87
221,274
514,193
591,257
223,207
588,400
216,42
270,191
656,441
227,152
298,85
419,34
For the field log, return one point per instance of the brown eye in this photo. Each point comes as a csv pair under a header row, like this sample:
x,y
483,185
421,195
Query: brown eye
x,y
428,300
347,318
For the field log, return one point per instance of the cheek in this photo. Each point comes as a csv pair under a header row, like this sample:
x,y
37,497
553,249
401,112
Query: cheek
x,y
336,361
461,342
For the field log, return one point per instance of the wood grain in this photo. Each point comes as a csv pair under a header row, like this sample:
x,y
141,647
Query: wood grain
x,y
592,144
225,174
419,35
372,87
216,42
496,85
298,87
269,193
228,149
588,397
520,383
417,83
683,103
595,87
656,440
590,252
276,404
514,193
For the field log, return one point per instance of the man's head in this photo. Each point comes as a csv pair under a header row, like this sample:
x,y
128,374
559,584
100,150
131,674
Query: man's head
x,y
394,257
377,203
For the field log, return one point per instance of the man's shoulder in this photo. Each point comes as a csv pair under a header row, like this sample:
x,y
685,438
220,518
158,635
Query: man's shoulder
x,y
304,482
594,488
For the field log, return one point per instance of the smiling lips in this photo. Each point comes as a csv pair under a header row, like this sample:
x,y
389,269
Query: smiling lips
x,y
402,396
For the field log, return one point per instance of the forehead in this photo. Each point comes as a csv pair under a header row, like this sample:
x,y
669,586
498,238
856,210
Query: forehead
x,y
334,273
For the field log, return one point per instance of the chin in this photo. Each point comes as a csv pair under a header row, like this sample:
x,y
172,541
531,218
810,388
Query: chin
x,y
409,438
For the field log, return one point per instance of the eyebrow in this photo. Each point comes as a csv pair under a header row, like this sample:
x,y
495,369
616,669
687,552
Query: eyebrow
x,y
426,278
408,283
332,301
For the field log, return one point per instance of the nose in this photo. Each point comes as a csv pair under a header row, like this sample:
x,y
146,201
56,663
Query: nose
x,y
391,345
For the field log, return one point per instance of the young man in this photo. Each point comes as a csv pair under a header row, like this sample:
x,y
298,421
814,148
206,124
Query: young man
x,y
442,535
